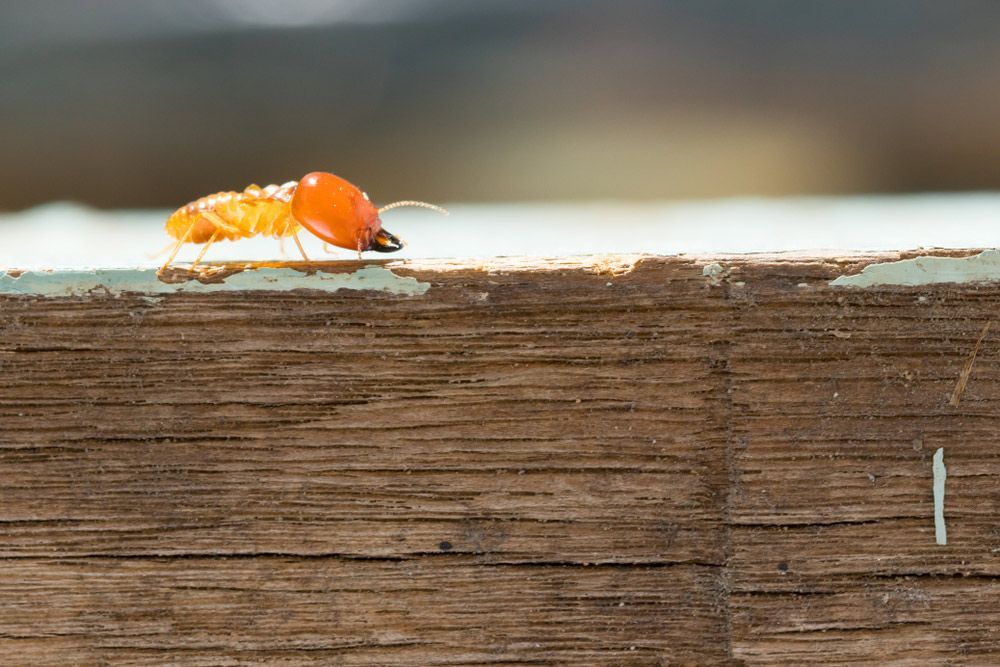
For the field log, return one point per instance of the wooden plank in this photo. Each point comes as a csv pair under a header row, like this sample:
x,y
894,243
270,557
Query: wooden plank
x,y
546,463
542,450
841,398
420,420
446,609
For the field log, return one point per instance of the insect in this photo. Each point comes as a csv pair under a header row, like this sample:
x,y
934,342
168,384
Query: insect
x,y
327,206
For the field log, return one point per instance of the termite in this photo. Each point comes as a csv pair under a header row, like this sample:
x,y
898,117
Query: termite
x,y
327,206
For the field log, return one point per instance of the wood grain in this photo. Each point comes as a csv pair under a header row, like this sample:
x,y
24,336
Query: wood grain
x,y
548,464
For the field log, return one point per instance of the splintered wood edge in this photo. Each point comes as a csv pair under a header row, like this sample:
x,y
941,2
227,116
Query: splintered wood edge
x,y
410,277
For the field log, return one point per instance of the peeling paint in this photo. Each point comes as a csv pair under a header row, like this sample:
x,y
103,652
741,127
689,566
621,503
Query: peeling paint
x,y
940,474
144,281
715,273
984,267
713,270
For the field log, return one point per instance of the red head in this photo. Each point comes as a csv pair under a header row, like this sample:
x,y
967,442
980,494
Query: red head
x,y
340,214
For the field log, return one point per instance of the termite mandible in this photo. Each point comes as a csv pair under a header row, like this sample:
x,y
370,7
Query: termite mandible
x,y
326,205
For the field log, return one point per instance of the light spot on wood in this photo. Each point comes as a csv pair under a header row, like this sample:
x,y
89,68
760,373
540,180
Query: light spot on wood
x,y
713,270
940,474
715,273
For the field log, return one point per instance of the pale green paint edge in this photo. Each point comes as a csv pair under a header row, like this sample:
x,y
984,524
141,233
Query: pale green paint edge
x,y
144,281
984,267
940,474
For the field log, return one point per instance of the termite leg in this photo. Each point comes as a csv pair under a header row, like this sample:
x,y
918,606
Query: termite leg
x,y
299,244
281,247
154,255
204,249
177,247
326,247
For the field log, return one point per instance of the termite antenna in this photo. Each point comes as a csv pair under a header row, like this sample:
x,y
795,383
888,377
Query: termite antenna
x,y
417,204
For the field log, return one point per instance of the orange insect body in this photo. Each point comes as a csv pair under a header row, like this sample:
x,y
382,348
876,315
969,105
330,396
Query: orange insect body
x,y
236,215
326,205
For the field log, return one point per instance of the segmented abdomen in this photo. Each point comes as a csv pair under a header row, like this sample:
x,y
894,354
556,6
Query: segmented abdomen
x,y
236,215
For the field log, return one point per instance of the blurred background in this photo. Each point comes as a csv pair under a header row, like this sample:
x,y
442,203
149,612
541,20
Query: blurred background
x,y
121,103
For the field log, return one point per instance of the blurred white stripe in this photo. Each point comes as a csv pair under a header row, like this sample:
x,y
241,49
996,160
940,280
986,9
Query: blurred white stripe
x,y
70,236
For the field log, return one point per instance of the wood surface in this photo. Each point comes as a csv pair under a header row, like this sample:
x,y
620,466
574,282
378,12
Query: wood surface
x,y
563,463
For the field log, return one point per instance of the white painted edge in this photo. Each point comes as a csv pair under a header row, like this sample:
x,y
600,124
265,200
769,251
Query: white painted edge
x,y
926,270
144,281
984,267
940,474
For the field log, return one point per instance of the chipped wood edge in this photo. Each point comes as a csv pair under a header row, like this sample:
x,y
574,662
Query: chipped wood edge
x,y
409,277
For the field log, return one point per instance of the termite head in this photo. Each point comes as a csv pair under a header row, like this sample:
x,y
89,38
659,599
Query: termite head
x,y
342,215
336,211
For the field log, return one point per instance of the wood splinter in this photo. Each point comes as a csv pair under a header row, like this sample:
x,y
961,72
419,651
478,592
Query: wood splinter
x,y
963,377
